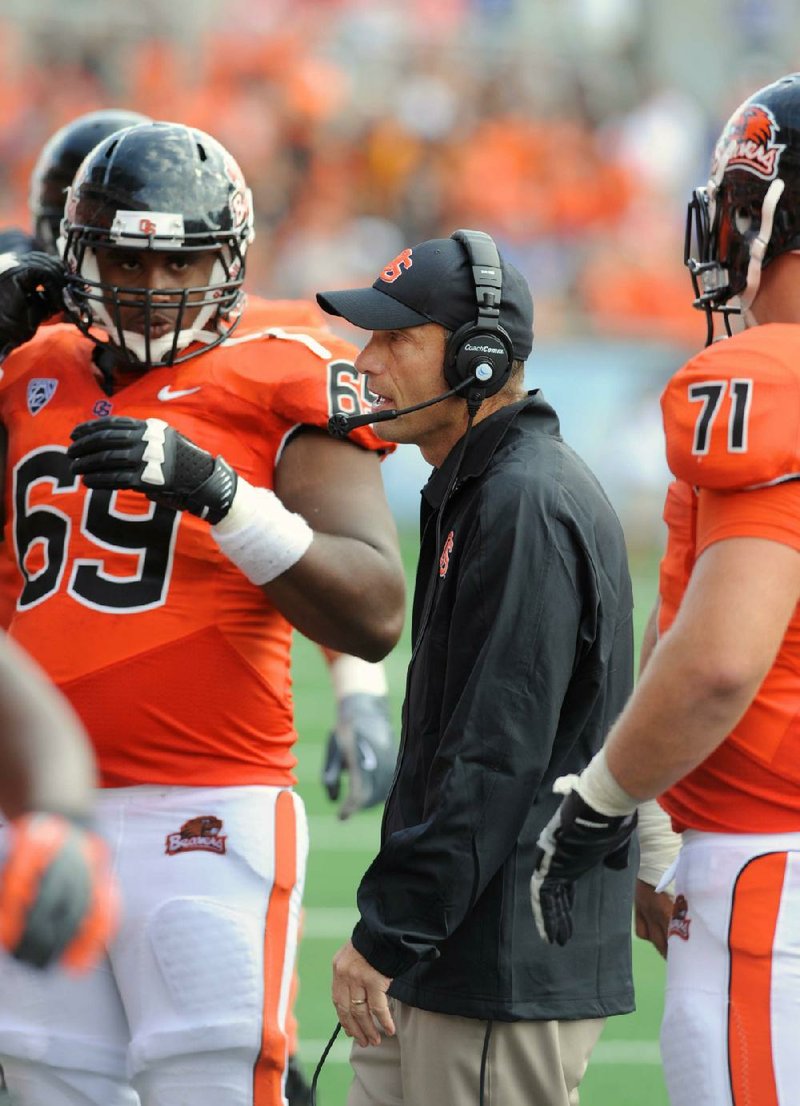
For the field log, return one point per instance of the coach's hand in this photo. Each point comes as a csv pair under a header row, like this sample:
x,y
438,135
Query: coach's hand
x,y
362,745
359,993
575,839
58,899
31,287
148,456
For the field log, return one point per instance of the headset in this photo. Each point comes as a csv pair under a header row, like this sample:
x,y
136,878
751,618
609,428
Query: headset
x,y
480,352
478,356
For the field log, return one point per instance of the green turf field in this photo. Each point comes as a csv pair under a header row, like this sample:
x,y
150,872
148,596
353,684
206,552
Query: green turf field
x,y
625,1068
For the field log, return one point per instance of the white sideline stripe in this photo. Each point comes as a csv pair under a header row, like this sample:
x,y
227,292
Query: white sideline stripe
x,y
607,1052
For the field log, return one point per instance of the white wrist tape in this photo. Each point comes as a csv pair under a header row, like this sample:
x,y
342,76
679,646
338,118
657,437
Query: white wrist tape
x,y
599,789
259,535
351,675
659,845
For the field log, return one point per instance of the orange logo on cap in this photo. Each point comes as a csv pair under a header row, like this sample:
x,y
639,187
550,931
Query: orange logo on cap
x,y
395,267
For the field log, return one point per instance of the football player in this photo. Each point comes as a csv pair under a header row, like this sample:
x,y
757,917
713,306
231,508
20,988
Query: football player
x,y
198,514
361,745
712,727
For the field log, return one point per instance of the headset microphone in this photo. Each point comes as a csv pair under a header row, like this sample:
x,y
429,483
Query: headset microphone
x,y
340,425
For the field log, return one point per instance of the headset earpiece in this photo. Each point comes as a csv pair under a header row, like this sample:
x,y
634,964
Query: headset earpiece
x,y
480,350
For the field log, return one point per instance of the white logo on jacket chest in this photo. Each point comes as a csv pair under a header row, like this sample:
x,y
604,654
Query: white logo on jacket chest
x,y
40,391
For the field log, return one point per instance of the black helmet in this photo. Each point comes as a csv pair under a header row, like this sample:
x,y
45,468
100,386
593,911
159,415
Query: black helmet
x,y
58,163
158,186
749,212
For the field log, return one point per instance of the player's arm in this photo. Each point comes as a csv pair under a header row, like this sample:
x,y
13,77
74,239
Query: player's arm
x,y
57,897
702,676
658,843
348,589
323,545
361,744
45,759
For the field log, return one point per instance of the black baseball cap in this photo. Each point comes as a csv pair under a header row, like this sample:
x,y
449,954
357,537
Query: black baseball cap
x,y
433,283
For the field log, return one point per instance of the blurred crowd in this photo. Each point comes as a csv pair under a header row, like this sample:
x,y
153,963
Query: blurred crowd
x,y
363,128
366,125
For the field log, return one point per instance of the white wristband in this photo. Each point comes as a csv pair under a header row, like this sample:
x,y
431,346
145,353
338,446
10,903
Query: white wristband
x,y
659,845
260,536
600,790
351,675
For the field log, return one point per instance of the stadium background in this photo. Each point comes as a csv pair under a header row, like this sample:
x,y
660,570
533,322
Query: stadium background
x,y
572,130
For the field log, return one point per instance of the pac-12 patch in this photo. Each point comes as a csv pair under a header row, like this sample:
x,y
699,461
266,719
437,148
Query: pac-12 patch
x,y
40,391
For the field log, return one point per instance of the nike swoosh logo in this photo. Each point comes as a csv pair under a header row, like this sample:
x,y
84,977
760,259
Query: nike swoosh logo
x,y
166,393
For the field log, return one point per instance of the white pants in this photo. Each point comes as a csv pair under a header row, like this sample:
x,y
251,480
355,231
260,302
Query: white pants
x,y
190,1005
731,1029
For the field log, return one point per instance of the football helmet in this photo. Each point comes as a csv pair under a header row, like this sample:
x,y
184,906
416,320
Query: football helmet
x,y
749,211
58,163
157,186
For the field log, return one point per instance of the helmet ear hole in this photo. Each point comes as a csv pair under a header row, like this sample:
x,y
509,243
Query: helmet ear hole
x,y
743,219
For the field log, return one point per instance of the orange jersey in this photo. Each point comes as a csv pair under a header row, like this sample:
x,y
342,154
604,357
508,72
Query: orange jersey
x,y
178,666
680,515
731,417
258,313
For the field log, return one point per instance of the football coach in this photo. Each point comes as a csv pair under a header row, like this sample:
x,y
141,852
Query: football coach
x,y
522,658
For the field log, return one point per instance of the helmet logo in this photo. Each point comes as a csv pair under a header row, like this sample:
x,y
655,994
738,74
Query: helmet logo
x,y
395,267
239,201
130,226
748,142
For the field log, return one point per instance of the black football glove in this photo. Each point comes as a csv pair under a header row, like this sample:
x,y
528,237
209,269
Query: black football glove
x,y
575,839
148,456
363,745
31,289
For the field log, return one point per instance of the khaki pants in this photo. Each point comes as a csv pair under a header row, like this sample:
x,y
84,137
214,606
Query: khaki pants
x,y
435,1060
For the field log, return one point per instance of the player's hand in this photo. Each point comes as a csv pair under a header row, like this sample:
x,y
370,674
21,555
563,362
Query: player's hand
x,y
575,839
58,899
652,913
362,745
148,456
31,287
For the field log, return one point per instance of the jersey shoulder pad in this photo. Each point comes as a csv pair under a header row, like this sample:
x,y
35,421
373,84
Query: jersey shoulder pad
x,y
304,375
732,413
51,350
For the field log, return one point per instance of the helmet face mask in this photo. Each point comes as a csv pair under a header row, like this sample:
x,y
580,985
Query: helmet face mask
x,y
164,188
747,214
58,162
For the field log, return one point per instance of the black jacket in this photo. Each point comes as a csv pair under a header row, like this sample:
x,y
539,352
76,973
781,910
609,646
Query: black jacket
x,y
521,662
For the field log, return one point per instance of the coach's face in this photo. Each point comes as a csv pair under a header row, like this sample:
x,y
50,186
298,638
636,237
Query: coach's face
x,y
404,367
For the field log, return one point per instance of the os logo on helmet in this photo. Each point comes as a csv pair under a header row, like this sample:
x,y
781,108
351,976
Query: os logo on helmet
x,y
748,142
239,201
